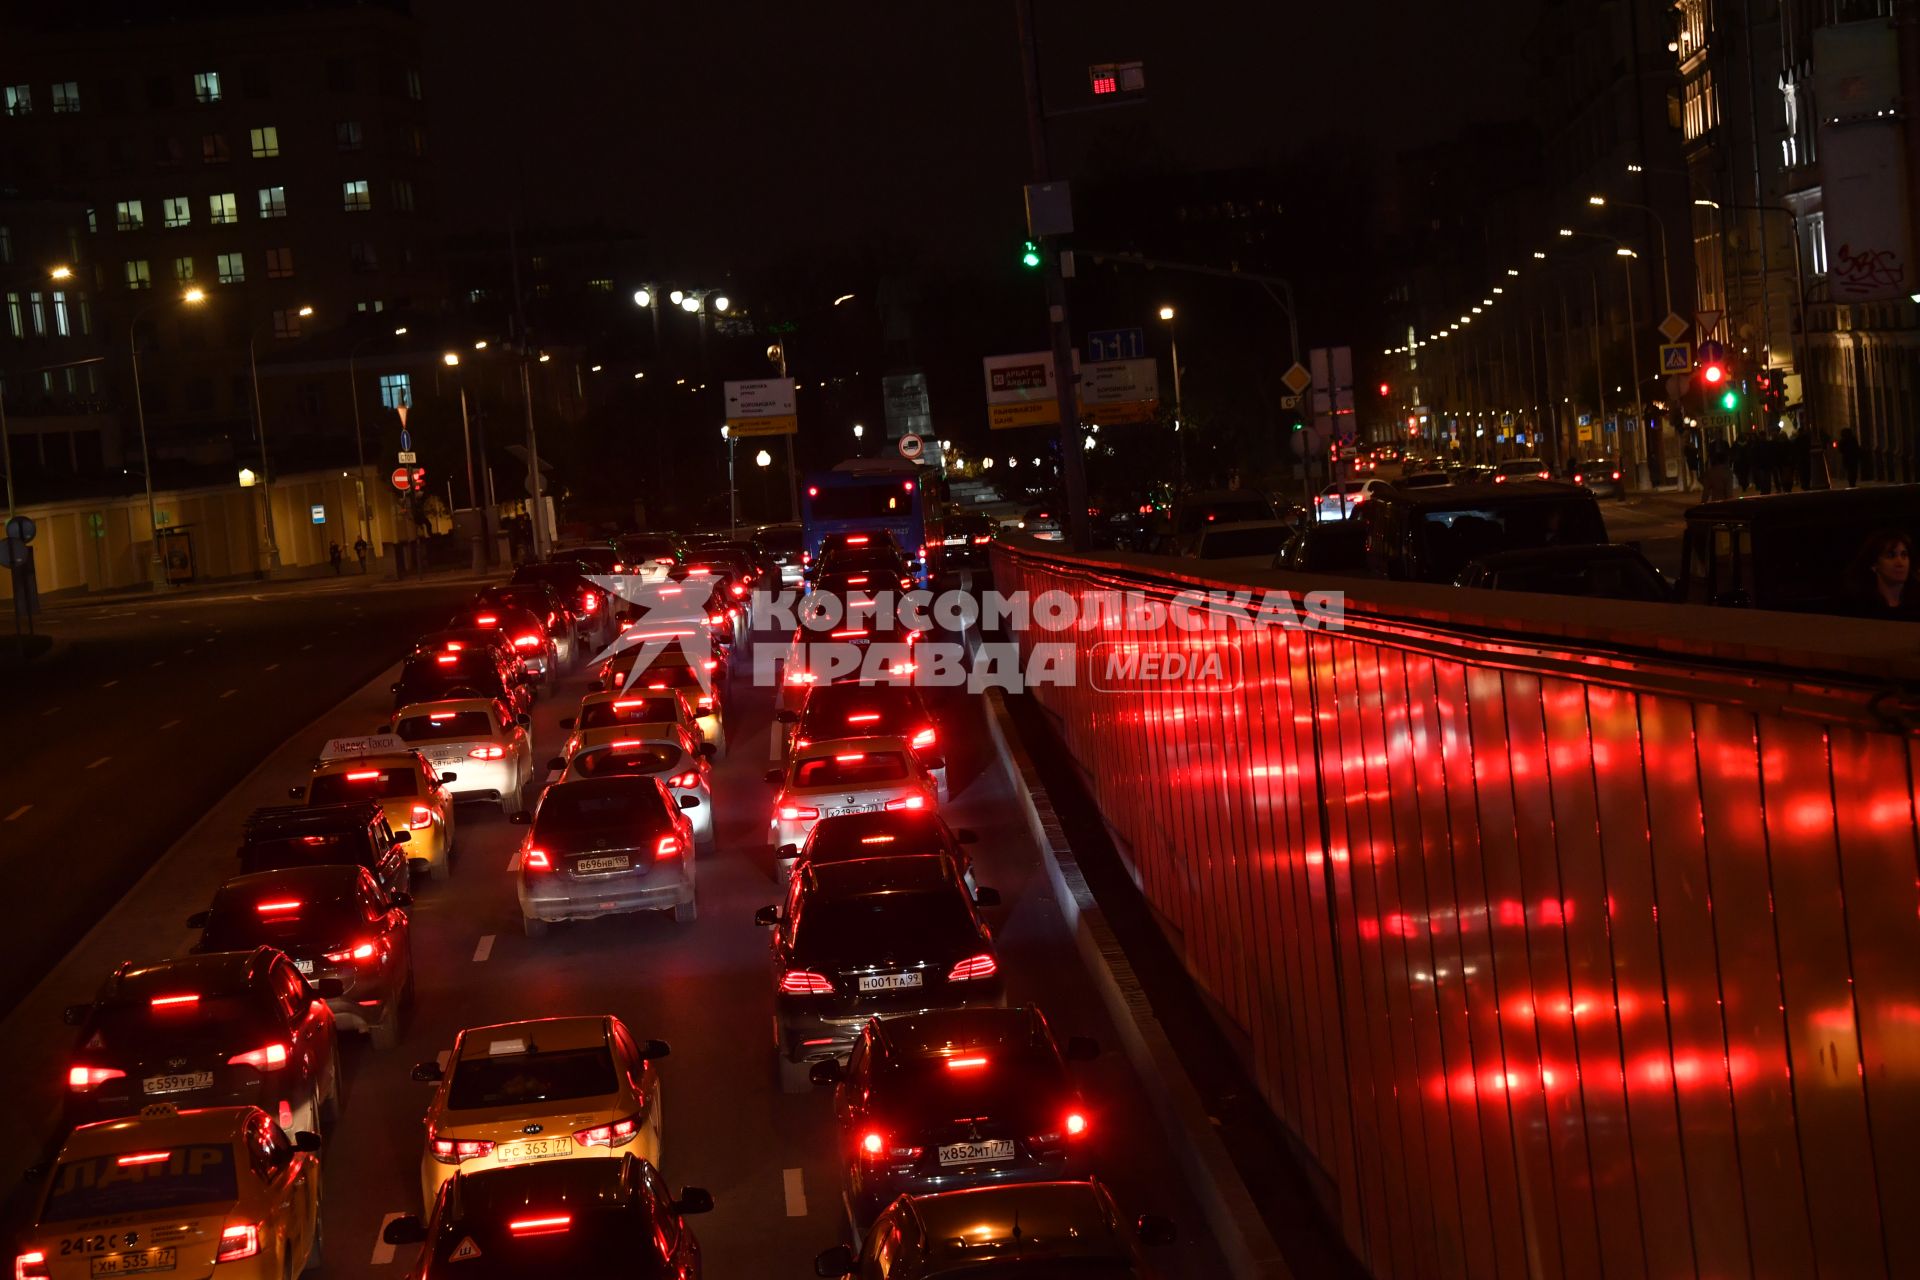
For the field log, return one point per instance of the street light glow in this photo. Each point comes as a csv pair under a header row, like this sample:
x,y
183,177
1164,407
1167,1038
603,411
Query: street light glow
x,y
1707,204
451,359
1566,231
722,302
1597,202
195,296
689,304
639,375
593,369
480,345
859,430
401,332
304,312
763,459
642,298
1166,313
544,357
676,297
61,273
845,297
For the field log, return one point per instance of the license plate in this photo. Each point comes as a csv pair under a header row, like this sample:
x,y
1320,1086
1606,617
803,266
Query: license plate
x,y
186,1082
954,542
616,863
889,981
127,1264
304,966
846,809
977,1152
536,1149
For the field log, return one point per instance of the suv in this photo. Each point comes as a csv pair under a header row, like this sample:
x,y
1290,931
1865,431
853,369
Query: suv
x,y
1790,551
1431,535
354,834
460,673
1602,571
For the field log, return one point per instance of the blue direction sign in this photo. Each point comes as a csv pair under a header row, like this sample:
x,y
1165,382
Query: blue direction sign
x,y
1116,344
1711,352
406,440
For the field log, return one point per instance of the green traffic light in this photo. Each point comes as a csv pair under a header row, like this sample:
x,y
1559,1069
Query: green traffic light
x,y
1030,255
1299,426
1730,402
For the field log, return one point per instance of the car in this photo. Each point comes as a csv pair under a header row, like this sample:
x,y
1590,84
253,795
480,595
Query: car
x,y
1037,1229
409,790
601,559
849,541
470,673
649,554
570,1217
1262,538
956,1098
526,632
1792,552
355,833
665,751
874,936
853,710
1342,501
453,639
847,775
197,1192
1430,535
675,607
1600,475
1423,480
223,1029
1339,546
781,543
605,710
1521,469
557,619
1193,512
586,1078
1042,522
862,573
489,747
698,684
860,650
965,541
332,922
902,833
1603,571
585,601
606,846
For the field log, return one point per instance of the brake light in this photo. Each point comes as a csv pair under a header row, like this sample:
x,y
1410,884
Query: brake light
x,y
81,1079
859,580
669,591
486,620
850,757
705,703
738,589
664,560
168,1002
873,1143
1579,479
684,780
965,1064
854,634
617,1134
711,664
446,659
909,486
1616,475
857,539
800,677
536,860
981,539
980,966
716,619
1076,1124
363,951
906,802
238,1242
525,642
452,1151
486,753
271,1058
876,839
803,982
591,601
365,775
797,812
924,738
865,717
668,847
543,1226
275,908
422,818
1499,479
31,1266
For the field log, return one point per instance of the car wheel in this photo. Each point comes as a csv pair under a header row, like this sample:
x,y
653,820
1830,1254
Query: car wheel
x,y
795,1077
533,928
686,912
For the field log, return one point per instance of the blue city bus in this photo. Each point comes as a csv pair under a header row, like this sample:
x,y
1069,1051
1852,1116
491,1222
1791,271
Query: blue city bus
x,y
870,495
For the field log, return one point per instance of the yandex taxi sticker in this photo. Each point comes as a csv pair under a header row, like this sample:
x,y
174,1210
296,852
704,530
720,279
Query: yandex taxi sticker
x,y
464,1250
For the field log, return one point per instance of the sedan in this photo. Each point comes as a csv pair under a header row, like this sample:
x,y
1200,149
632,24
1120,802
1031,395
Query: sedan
x,y
604,846
847,775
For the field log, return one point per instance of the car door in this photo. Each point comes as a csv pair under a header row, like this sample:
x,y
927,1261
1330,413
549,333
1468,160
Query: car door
x,y
390,923
390,864
850,1096
641,1078
289,995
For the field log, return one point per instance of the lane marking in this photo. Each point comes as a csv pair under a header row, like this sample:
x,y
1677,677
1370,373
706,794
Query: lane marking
x,y
49,711
513,863
796,1190
17,812
158,662
109,684
97,763
382,1251
273,666
229,693
484,949
169,724
305,647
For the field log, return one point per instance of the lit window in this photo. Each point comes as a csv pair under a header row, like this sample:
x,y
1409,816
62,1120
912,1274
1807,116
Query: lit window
x,y
286,324
213,148
138,277
16,325
279,264
37,310
128,216
183,269
347,136
206,87
417,140
176,211
1817,241
60,323
222,208
66,97
600,286
396,390
265,141
273,202
355,197
93,222
402,196
19,100
232,267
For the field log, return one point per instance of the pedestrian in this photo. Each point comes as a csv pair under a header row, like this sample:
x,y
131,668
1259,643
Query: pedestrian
x,y
1850,456
1880,578
333,554
1743,463
360,552
1760,463
1691,453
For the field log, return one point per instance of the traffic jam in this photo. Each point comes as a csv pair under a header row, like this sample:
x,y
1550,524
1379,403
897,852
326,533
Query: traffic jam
x,y
580,863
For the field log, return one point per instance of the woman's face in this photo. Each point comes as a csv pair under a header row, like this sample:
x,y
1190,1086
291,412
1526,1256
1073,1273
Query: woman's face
x,y
1893,563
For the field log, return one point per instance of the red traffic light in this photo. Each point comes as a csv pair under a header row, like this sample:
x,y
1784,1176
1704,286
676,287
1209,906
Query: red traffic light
x,y
1713,374
1385,389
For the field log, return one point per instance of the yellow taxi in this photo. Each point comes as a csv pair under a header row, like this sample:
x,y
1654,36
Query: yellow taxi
x,y
177,1192
645,706
545,1089
414,795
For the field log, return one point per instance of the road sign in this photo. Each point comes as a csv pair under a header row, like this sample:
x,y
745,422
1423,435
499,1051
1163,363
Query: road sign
x,y
402,479
762,407
22,527
401,409
1297,379
1711,353
910,446
1673,328
1020,390
317,513
1675,357
406,441
1120,390
1289,402
1677,385
1116,344
1706,323
408,457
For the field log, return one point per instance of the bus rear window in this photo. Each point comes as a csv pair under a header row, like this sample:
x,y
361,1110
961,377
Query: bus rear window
x,y
201,1173
878,500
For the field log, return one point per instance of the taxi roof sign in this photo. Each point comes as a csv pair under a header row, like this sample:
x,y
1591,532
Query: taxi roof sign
x,y
364,745
496,1047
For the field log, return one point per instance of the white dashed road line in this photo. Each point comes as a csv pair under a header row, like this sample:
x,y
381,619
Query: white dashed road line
x,y
109,684
169,724
382,1251
796,1190
229,693
97,763
273,666
513,863
773,741
17,812
484,949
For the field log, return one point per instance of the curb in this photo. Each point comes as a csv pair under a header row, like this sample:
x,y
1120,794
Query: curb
x,y
1235,1220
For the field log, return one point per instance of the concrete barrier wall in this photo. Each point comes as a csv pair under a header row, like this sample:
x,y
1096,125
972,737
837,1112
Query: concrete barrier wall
x,y
1568,940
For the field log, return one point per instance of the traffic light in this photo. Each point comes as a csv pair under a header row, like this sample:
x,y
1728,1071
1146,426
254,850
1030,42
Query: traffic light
x,y
1030,255
1299,426
1730,400
1773,392
1713,374
1385,390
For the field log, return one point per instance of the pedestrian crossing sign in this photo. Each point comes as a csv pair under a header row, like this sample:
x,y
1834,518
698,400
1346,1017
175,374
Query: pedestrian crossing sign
x,y
1675,357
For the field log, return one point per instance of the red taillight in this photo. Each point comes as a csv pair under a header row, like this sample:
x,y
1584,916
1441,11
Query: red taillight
x,y
797,812
366,775
711,664
664,560
361,951
684,780
1319,498
173,1002
857,539
446,659
717,619
422,818
924,738
617,1134
1579,479
1616,475
966,1064
980,966
552,1225
486,620
1544,475
858,580
803,982
486,753
451,1151
277,908
865,717
667,847
1499,479
31,1266
877,1147
81,1079
525,642
705,703
801,677
143,1157
592,602
738,589
270,1058
441,715
906,802
873,1143
981,539
536,860
1076,1124
238,1242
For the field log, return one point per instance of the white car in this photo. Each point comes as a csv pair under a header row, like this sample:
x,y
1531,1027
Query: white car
x,y
1342,501
487,746
666,751
847,775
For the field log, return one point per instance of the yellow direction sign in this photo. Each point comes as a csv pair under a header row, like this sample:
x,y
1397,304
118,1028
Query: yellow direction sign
x,y
786,425
1027,413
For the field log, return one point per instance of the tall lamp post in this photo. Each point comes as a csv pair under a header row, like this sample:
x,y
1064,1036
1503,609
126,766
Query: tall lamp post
x,y
359,440
1179,444
192,297
1626,256
260,434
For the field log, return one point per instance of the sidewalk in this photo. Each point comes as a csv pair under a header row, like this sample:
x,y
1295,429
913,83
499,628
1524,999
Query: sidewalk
x,y
303,581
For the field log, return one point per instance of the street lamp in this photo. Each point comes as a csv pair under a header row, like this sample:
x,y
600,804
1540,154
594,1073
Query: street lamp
x,y
260,435
845,297
450,359
1166,313
480,345
642,298
192,297
677,297
763,459
722,302
689,303
359,440
1660,225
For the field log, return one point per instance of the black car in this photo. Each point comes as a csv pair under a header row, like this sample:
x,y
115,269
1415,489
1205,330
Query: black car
x,y
1795,552
354,834
1430,535
1334,546
780,546
899,833
1042,1229
966,540
877,936
332,922
543,602
1606,572
958,1098
1599,475
230,1029
558,1218
584,600
847,710
447,675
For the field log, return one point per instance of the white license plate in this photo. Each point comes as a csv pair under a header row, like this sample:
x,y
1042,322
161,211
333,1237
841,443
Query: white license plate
x,y
889,981
128,1264
846,809
954,542
304,966
536,1149
977,1152
614,863
186,1082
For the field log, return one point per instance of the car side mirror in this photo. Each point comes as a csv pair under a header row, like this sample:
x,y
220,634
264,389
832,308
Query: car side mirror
x,y
986,897
566,722
307,1142
521,819
826,1071
400,898
556,763
837,1261
655,1049
766,917
296,793
523,719
693,1200
966,835
689,802
449,777
405,1229
1155,1230
708,750
787,851
786,716
403,837
329,988
934,762
198,920
76,1014
1082,1048
428,1072
774,776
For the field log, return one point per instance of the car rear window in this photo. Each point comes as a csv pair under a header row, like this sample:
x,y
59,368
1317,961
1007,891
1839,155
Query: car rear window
x,y
208,1021
569,808
848,931
445,725
515,1079
843,711
599,715
201,1173
1456,535
364,784
239,923
667,677
271,853
855,836
606,762
851,769
778,541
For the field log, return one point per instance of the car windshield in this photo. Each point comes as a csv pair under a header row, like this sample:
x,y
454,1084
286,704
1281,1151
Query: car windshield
x,y
518,1078
201,1173
851,769
1227,543
272,853
604,762
431,725
573,808
364,784
849,931
599,715
1456,535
